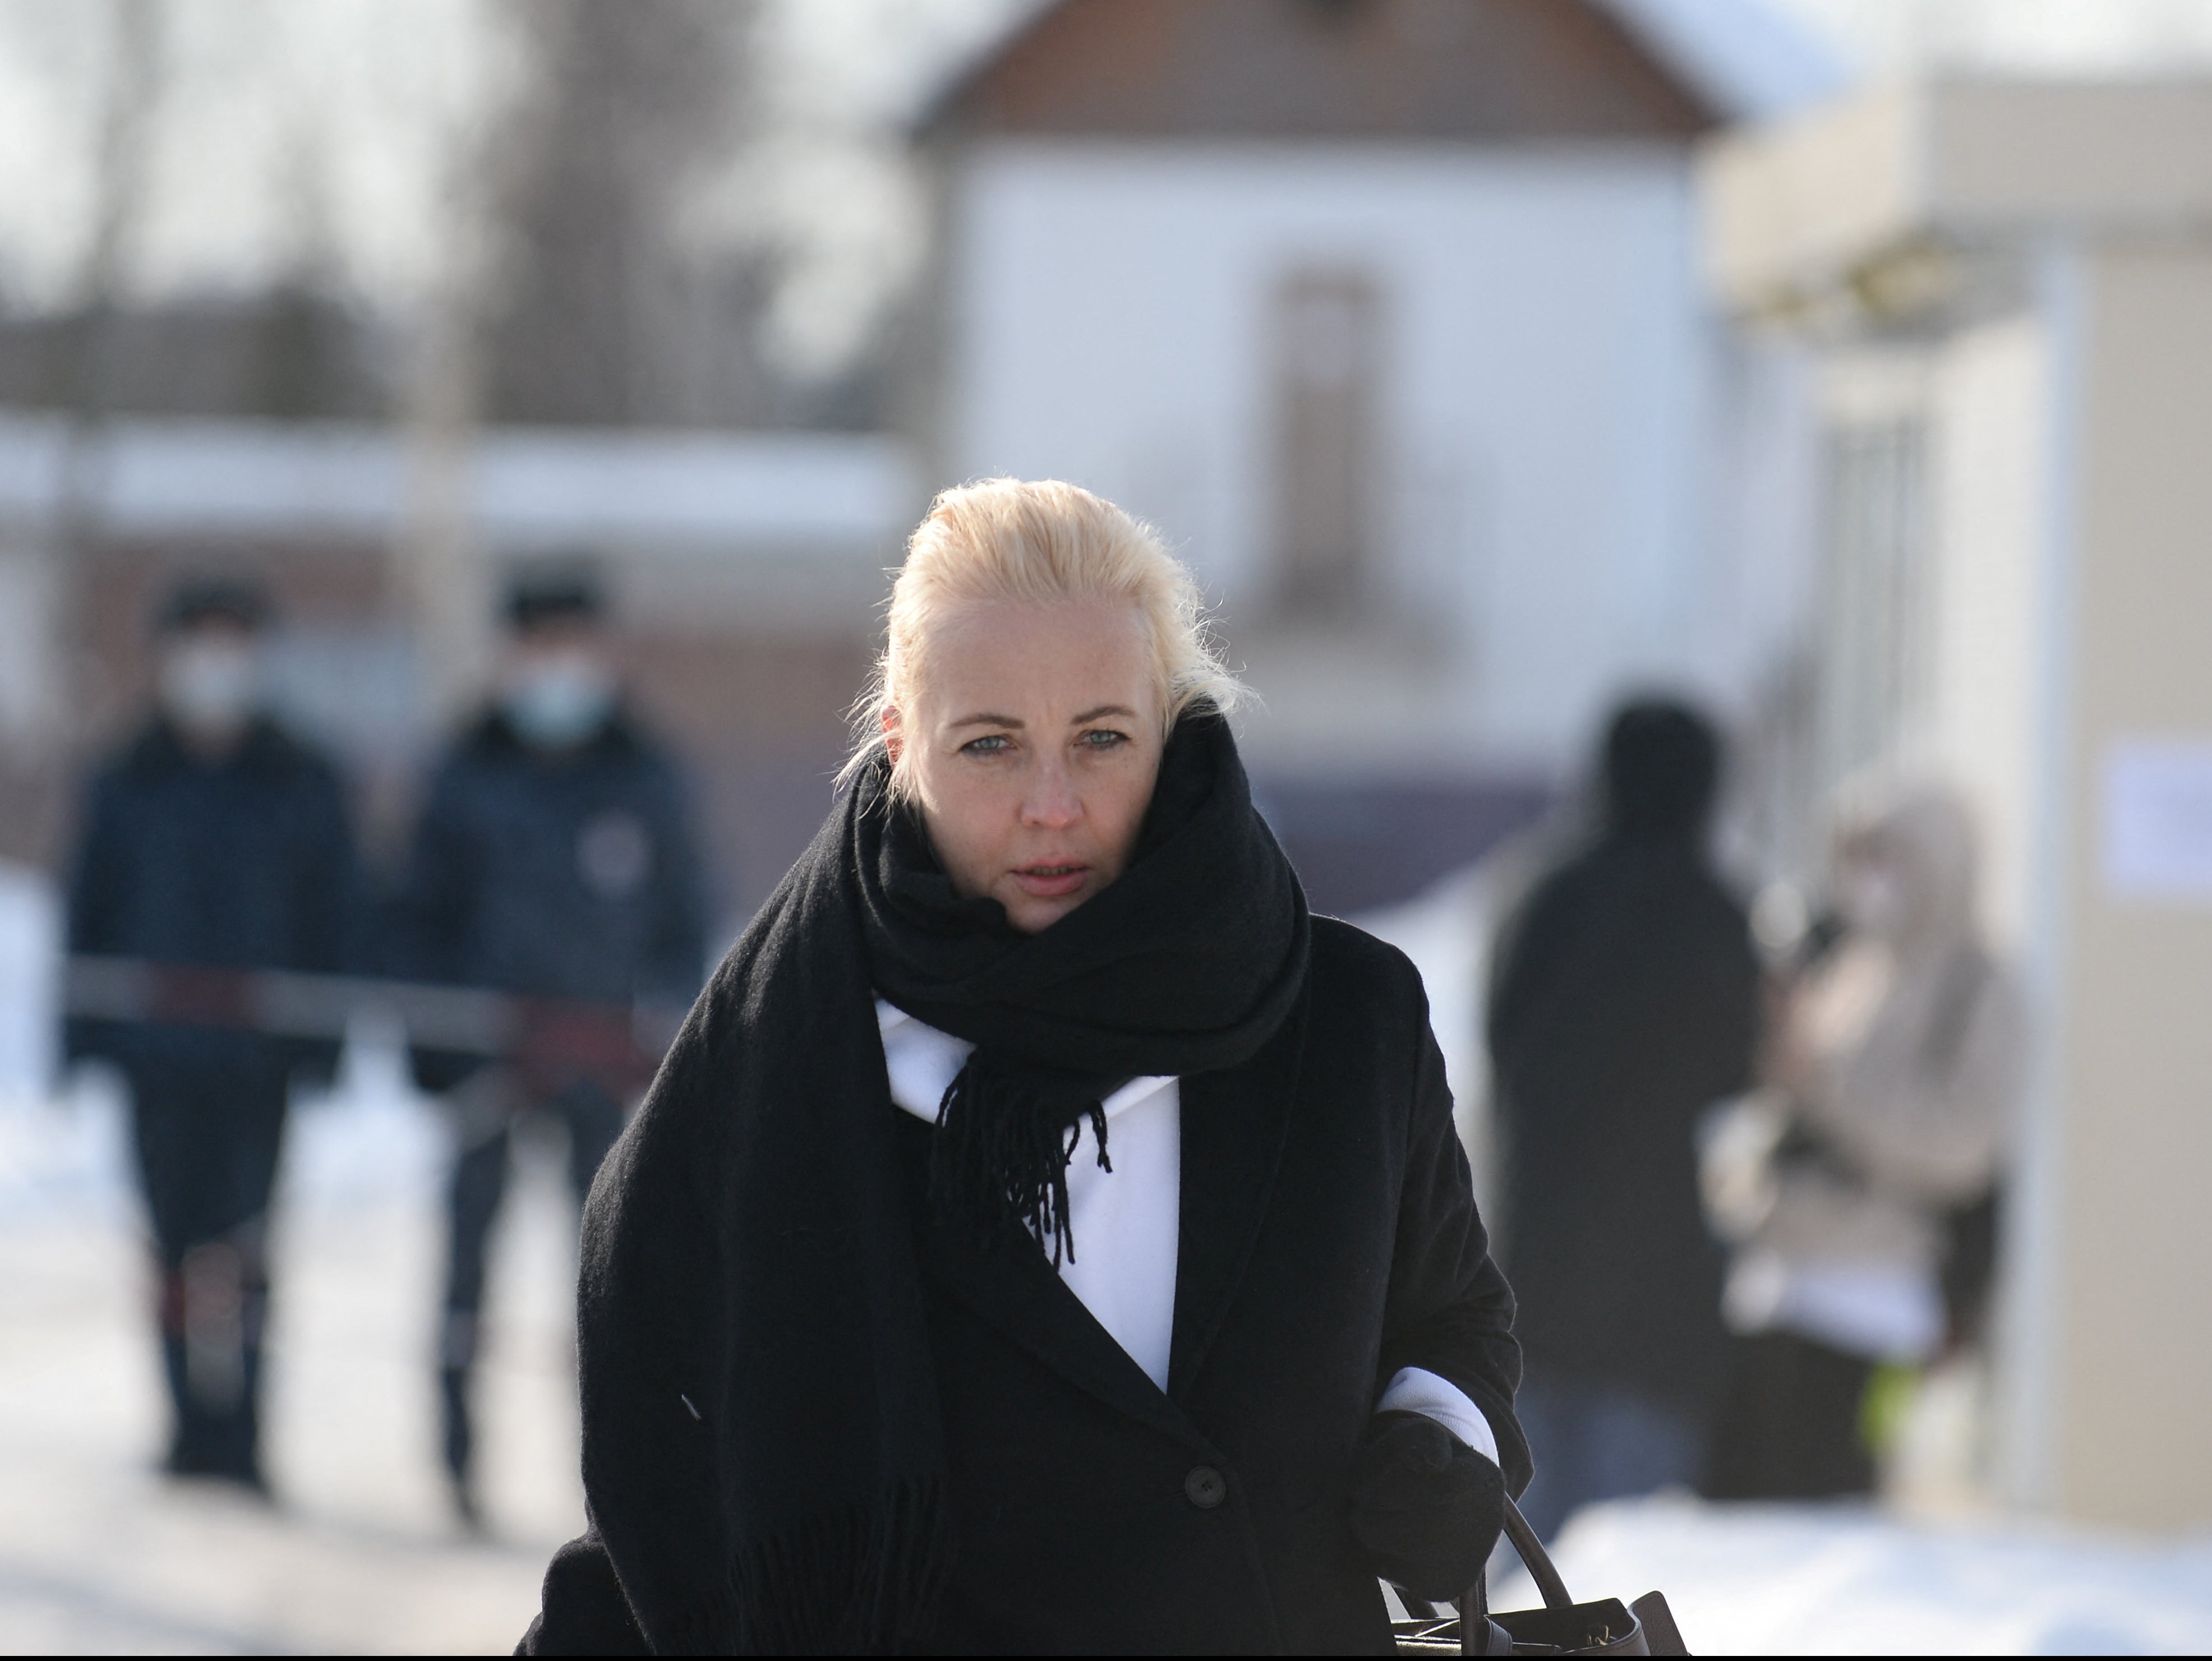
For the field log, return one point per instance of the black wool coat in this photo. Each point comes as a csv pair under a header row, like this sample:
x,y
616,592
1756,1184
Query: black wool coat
x,y
1328,1237
1625,1003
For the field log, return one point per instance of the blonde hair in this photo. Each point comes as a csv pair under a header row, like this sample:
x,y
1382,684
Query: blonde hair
x,y
1038,540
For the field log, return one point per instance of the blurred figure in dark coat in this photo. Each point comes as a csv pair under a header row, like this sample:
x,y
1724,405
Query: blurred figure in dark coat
x,y
553,859
213,841
1627,1003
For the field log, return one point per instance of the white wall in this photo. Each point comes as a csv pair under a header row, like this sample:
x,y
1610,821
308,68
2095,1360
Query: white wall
x,y
1548,389
794,525
1991,421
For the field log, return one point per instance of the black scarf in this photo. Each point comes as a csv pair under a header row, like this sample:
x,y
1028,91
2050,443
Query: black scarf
x,y
761,1449
1186,965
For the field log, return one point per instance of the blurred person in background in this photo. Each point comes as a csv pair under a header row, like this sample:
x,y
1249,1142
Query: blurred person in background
x,y
1894,1073
1624,1005
215,841
554,860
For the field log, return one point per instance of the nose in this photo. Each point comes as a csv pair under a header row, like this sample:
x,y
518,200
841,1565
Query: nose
x,y
1051,802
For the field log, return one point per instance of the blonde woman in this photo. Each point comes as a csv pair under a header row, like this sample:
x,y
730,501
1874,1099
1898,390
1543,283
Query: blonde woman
x,y
1044,1235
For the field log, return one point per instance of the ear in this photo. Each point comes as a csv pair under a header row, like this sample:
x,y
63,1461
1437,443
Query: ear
x,y
893,740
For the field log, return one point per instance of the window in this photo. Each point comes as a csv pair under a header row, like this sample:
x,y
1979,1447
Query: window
x,y
1874,624
1327,344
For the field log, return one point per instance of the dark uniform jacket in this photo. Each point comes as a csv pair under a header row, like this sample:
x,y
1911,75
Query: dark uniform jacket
x,y
569,875
244,863
1328,1237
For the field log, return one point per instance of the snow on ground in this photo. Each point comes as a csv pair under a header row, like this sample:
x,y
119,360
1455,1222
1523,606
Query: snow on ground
x,y
1850,1581
99,1554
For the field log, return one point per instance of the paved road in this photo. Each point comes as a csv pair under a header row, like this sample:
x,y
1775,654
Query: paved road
x,y
97,1554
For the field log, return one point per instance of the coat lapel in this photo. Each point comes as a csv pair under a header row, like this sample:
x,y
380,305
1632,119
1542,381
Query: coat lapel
x,y
1019,1293
1234,1125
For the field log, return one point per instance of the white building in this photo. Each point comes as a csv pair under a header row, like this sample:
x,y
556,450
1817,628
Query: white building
x,y
1386,312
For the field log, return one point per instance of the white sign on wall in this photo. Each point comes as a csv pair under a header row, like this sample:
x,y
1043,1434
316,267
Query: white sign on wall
x,y
2158,820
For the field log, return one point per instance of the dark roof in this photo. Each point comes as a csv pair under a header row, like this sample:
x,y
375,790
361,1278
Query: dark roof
x,y
1496,70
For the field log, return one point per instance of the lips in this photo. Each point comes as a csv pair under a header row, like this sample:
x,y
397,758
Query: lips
x,y
1051,881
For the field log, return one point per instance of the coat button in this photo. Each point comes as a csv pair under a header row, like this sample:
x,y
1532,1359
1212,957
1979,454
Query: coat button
x,y
1204,1488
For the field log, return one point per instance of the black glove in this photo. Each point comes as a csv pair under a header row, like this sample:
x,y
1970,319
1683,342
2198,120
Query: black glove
x,y
1426,1505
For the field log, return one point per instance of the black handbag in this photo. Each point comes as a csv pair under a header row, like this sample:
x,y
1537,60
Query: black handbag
x,y
1562,1627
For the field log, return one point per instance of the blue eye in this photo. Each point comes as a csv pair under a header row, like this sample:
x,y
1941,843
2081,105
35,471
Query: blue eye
x,y
992,743
1103,738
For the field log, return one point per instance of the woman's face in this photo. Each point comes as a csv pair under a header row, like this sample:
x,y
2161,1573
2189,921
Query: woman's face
x,y
1033,746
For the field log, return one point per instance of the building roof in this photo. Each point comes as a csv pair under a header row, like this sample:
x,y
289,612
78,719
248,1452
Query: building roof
x,y
1494,70
1497,70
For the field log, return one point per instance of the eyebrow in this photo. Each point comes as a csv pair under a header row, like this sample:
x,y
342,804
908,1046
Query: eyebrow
x,y
985,718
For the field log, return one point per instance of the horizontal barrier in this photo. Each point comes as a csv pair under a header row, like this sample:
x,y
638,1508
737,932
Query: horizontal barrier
x,y
619,1044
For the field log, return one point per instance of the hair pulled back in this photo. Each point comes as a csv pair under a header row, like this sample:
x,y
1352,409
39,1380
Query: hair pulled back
x,y
1038,541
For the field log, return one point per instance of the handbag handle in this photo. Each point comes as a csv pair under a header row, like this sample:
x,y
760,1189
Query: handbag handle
x,y
1476,1634
1537,1561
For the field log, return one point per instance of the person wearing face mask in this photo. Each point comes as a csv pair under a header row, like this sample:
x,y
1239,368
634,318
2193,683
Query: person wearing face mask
x,y
1896,1067
214,840
553,858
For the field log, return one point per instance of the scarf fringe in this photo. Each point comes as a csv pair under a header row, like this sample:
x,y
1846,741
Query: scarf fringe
x,y
1002,1149
865,1579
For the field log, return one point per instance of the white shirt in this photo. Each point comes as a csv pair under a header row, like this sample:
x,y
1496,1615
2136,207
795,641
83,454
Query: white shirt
x,y
1125,1223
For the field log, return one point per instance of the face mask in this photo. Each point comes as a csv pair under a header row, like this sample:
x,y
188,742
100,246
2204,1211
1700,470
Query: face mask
x,y
558,702
211,687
